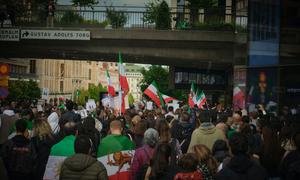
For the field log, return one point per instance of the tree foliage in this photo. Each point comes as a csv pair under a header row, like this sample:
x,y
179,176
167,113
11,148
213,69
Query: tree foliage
x,y
91,93
23,90
195,5
159,13
116,18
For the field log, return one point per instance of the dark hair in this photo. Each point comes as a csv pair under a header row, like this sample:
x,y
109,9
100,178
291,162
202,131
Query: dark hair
x,y
220,150
238,143
160,160
21,125
69,128
82,144
88,128
170,108
185,117
69,105
296,139
141,127
204,116
162,126
188,162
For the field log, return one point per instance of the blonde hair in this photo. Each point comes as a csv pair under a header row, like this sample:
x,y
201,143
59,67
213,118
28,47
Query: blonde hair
x,y
41,128
205,156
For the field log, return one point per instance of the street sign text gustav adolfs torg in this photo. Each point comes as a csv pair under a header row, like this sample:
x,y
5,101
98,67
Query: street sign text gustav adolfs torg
x,y
55,34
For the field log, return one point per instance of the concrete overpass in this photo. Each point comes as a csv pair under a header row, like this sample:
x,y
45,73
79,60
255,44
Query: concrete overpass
x,y
170,47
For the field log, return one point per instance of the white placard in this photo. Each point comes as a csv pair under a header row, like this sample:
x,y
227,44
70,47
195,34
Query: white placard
x,y
90,105
45,93
9,34
55,34
149,105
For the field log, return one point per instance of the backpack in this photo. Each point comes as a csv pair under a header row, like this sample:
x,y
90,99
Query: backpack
x,y
140,175
196,175
21,159
185,135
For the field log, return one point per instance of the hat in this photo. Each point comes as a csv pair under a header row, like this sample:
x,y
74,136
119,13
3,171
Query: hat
x,y
151,137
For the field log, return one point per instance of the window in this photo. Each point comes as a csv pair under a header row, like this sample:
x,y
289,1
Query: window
x,y
90,74
32,69
62,70
61,86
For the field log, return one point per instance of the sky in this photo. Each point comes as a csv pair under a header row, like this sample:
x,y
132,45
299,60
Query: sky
x,y
115,2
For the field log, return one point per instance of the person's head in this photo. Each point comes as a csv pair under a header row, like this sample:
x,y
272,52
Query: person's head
x,y
188,162
116,127
21,127
185,117
204,156
69,105
161,159
41,128
205,116
238,144
220,150
140,127
82,144
70,128
162,126
151,137
170,109
296,140
136,119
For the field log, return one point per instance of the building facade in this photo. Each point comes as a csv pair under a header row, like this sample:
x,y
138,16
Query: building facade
x,y
134,77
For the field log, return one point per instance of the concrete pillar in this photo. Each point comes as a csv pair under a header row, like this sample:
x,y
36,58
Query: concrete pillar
x,y
171,77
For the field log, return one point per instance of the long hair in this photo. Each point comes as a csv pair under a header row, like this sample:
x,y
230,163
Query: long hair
x,y
41,128
163,128
160,160
205,156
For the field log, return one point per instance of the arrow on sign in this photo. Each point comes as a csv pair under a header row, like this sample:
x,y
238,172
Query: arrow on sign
x,y
25,34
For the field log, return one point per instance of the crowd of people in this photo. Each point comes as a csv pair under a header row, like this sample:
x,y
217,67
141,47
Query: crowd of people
x,y
185,144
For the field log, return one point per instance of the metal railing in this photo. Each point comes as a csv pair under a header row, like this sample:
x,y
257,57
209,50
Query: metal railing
x,y
181,18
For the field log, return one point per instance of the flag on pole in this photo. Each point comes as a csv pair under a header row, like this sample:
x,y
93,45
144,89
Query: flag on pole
x,y
123,80
153,93
110,88
191,95
201,99
167,99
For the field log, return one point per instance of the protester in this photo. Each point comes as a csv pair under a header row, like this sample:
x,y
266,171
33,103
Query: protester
x,y
207,134
188,164
61,150
70,115
143,154
19,155
82,165
160,166
42,140
138,132
207,164
88,128
220,151
240,166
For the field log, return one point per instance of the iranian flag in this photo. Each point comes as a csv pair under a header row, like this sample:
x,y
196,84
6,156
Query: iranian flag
x,y
153,93
116,154
238,98
167,99
123,80
59,152
110,88
201,99
192,95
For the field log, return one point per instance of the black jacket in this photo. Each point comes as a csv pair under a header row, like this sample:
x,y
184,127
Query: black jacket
x,y
19,157
69,116
43,148
290,166
240,167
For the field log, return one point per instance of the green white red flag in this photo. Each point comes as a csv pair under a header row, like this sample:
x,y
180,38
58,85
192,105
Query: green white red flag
x,y
153,93
192,95
167,99
123,84
116,154
110,88
201,99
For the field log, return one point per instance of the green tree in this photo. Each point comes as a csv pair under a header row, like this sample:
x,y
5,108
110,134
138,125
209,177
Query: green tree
x,y
159,13
91,93
20,89
195,5
116,18
164,16
155,73
130,99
